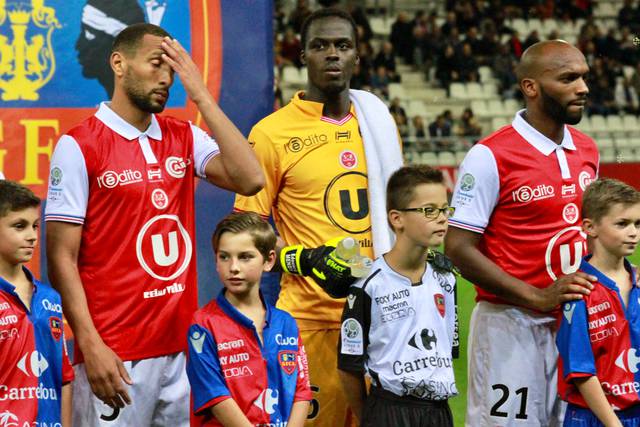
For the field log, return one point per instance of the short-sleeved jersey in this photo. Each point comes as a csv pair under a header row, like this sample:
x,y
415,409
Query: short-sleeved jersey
x,y
599,336
401,333
316,189
227,360
523,193
133,194
33,356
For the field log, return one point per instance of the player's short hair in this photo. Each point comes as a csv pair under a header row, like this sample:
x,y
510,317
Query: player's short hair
x,y
15,197
401,185
330,12
128,40
603,193
264,238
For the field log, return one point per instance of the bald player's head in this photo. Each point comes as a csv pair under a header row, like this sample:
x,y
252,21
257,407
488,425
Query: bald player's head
x,y
544,56
551,77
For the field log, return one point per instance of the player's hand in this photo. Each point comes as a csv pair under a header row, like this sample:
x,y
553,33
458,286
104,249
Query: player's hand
x,y
567,288
330,272
106,375
181,62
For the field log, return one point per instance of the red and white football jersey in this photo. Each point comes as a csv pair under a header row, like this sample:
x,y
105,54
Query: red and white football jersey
x,y
133,193
523,192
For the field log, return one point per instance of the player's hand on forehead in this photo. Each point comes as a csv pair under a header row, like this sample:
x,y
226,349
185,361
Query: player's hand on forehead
x,y
181,62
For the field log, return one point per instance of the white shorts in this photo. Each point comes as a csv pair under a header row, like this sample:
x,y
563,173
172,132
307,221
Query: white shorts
x,y
159,395
512,368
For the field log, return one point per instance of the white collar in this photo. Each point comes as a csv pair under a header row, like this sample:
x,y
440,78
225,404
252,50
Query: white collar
x,y
537,139
120,126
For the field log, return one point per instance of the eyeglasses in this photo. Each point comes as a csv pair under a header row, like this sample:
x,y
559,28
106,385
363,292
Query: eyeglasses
x,y
430,212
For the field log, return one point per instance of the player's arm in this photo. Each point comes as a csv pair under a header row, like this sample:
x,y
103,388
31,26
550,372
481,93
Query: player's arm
x,y
475,197
462,247
229,414
591,389
236,168
105,370
65,405
299,413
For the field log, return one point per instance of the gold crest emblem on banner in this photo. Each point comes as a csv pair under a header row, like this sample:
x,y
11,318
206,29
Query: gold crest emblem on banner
x,y
27,63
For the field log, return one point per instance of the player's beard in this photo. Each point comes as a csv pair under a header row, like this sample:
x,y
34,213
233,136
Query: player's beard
x,y
139,97
558,111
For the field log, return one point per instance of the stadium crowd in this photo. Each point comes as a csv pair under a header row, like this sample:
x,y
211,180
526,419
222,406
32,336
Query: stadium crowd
x,y
449,45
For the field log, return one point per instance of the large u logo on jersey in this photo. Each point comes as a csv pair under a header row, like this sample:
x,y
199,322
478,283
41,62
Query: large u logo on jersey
x,y
151,248
564,252
159,255
346,202
347,207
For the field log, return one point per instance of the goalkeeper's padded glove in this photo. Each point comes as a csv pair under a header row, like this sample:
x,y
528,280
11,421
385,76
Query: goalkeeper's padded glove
x,y
330,272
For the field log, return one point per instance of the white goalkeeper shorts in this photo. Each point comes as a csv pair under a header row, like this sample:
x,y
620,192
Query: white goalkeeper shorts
x,y
512,368
159,394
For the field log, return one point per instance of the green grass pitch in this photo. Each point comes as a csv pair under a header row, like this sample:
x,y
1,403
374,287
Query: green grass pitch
x,y
466,297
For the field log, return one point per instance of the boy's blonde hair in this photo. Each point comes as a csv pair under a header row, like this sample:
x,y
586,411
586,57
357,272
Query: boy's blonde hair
x,y
603,193
264,238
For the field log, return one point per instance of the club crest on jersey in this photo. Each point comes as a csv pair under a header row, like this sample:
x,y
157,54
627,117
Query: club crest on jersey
x,y
159,198
439,300
56,327
287,360
570,213
348,159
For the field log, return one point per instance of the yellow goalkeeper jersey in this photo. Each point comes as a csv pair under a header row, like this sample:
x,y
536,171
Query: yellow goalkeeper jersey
x,y
316,189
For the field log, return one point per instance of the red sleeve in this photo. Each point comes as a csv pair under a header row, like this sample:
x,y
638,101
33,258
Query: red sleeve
x,y
67,369
210,404
303,387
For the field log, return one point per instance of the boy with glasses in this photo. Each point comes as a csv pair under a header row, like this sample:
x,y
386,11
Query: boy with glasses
x,y
398,323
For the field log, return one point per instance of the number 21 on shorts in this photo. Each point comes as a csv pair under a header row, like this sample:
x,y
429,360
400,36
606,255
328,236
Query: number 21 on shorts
x,y
504,401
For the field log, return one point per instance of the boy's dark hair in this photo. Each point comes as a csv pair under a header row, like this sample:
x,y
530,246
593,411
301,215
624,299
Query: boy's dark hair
x,y
264,238
403,181
128,40
603,193
15,197
330,12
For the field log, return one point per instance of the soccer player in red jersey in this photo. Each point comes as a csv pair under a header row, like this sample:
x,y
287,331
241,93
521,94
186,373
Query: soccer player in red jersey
x,y
121,233
516,235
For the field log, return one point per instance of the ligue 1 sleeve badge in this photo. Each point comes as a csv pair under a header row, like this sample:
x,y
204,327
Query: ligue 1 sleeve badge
x,y
56,327
287,360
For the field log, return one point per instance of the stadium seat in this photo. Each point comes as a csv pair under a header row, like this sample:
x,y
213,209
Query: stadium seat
x,y
486,75
380,26
584,125
498,122
548,25
396,90
628,71
457,91
447,158
475,91
634,141
479,108
521,26
293,76
608,155
614,123
512,106
598,123
534,24
490,90
460,156
411,157
416,108
630,123
623,142
429,158
495,107
605,143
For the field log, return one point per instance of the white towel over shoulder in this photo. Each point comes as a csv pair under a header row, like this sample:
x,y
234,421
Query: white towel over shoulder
x,y
384,156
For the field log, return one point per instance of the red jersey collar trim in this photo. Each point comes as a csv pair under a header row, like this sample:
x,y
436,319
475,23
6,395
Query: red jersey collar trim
x,y
313,108
120,126
537,139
